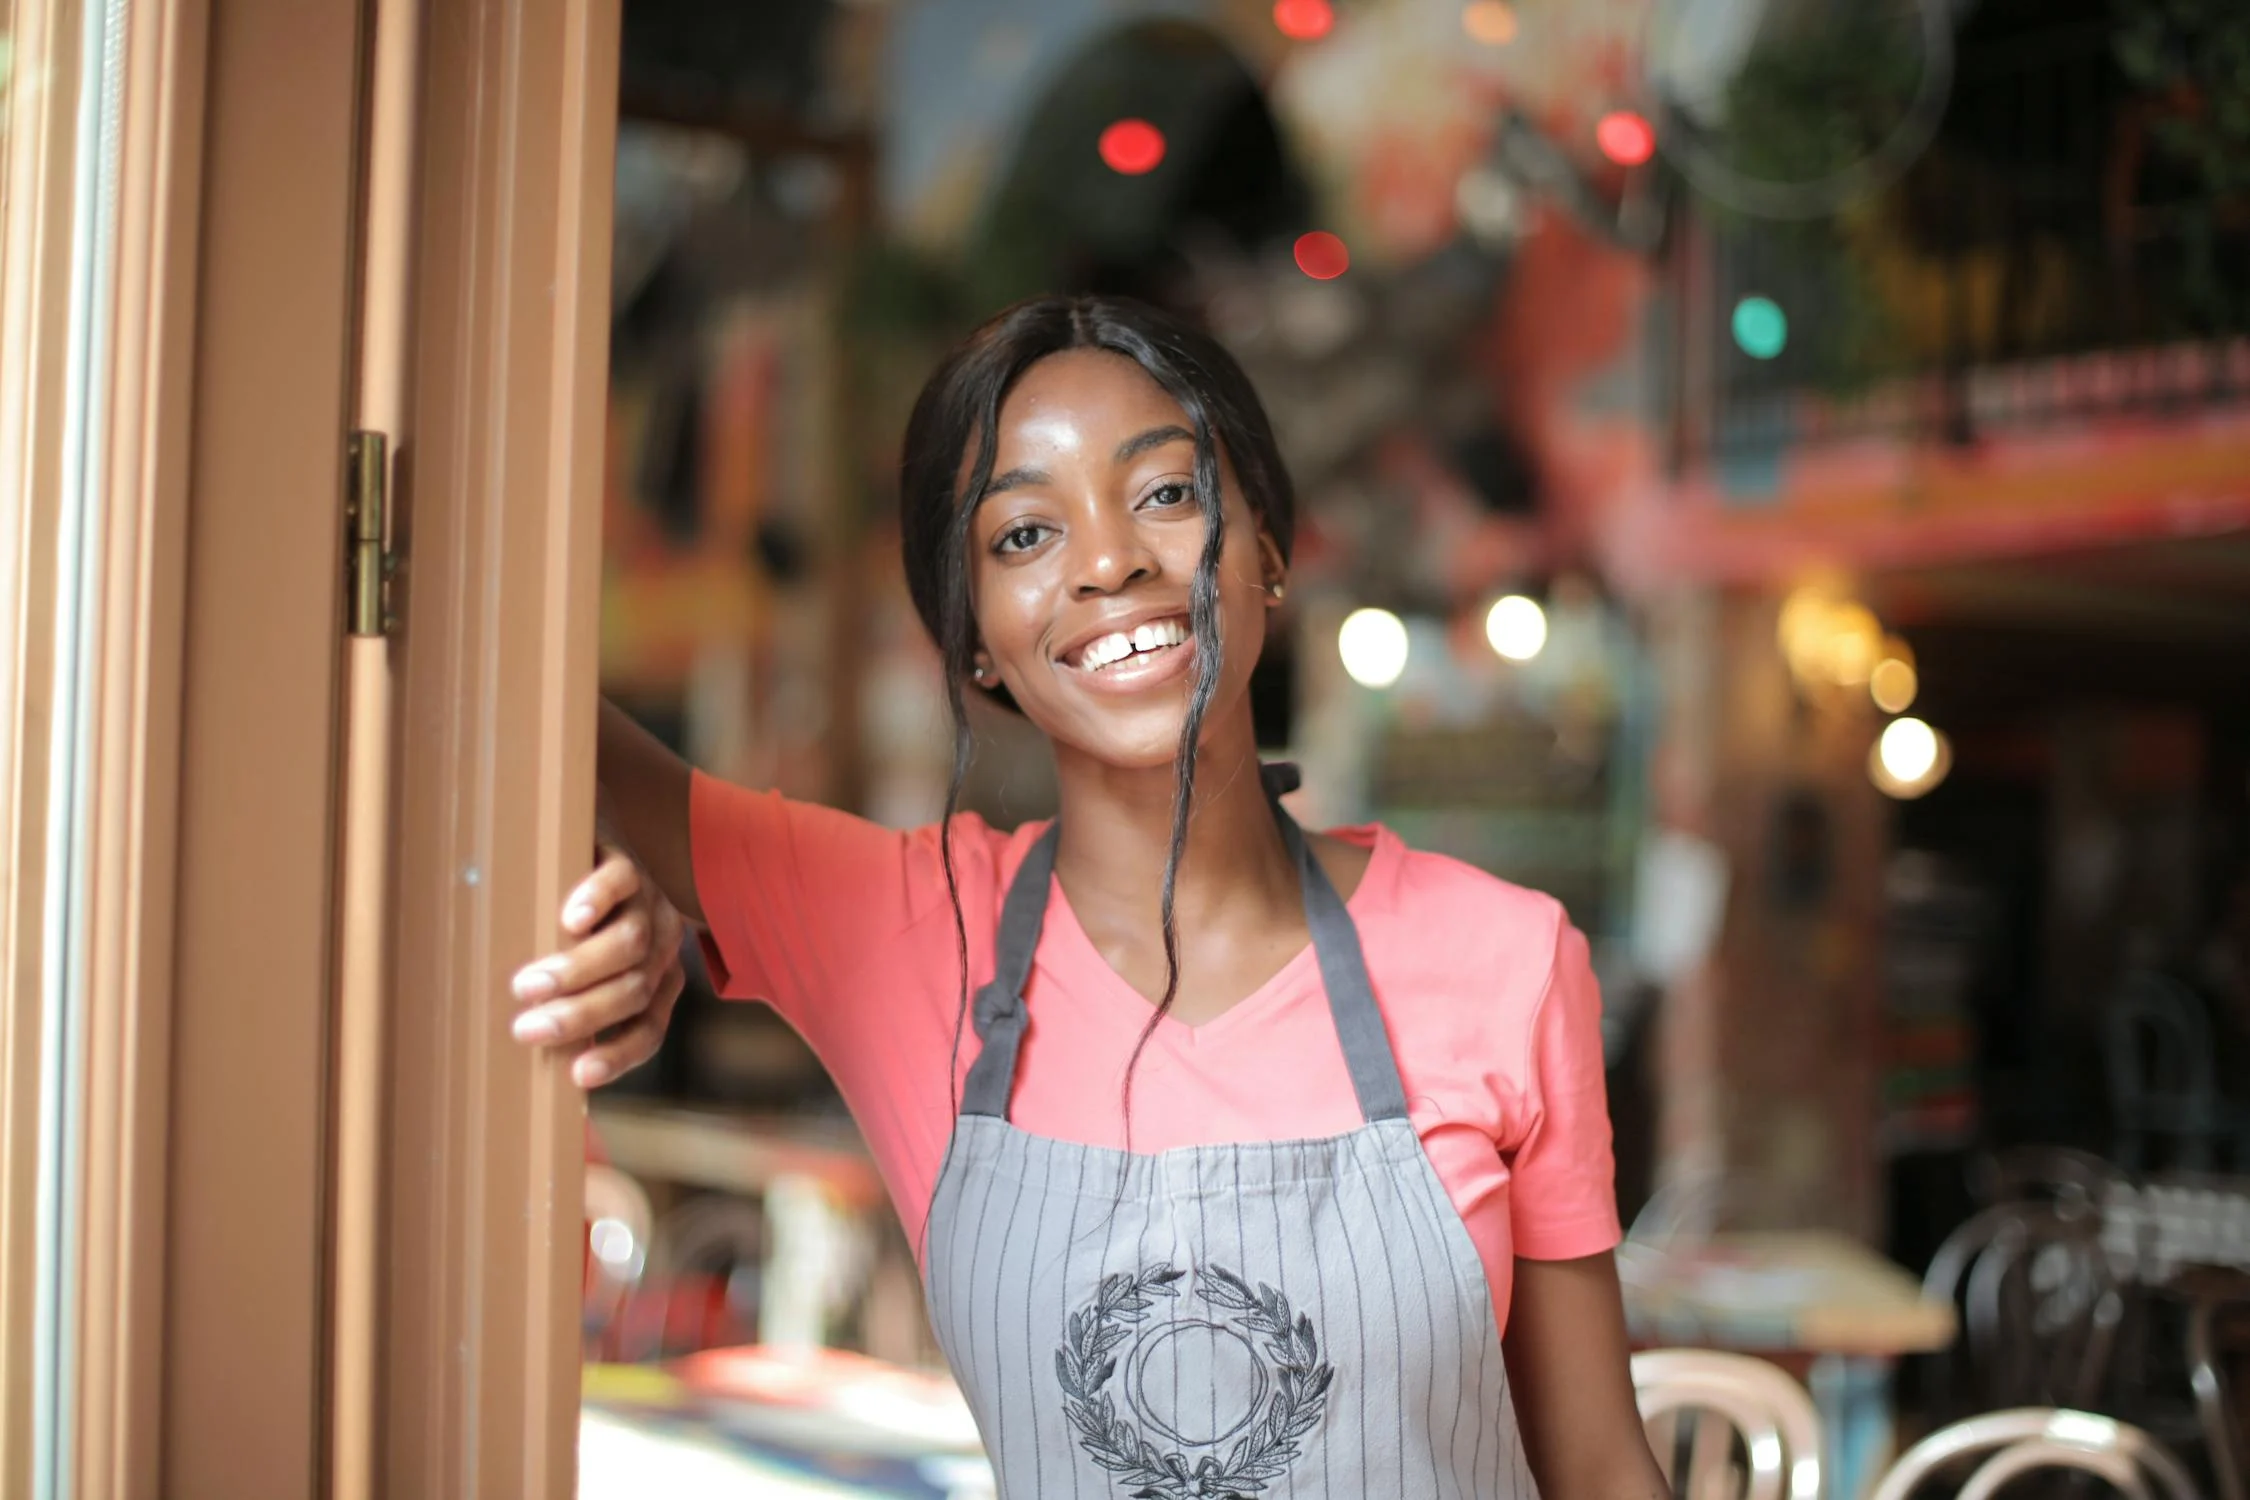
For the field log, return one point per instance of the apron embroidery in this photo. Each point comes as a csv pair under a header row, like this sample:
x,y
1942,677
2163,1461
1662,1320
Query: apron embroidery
x,y
1274,1349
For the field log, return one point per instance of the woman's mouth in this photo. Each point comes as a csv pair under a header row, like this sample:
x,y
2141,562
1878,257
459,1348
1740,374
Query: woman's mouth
x,y
1108,653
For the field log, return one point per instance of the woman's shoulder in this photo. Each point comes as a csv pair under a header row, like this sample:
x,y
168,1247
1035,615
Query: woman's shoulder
x,y
1463,954
1424,884
985,857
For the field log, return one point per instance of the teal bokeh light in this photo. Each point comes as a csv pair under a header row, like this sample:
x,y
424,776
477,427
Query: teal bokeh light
x,y
1760,327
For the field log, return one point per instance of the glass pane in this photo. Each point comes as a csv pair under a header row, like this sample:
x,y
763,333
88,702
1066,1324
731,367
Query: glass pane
x,y
84,143
7,93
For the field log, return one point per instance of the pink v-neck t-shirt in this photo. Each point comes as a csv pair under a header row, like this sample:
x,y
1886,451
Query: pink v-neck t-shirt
x,y
847,930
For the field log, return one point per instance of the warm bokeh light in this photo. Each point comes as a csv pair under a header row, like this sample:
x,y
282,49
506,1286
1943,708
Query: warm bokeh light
x,y
1132,147
1372,643
1322,256
1516,627
1908,759
1893,684
1803,627
1625,138
1303,20
1908,748
1761,328
1489,21
1855,643
1828,639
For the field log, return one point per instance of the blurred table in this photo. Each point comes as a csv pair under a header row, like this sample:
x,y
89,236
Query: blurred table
x,y
1806,1293
734,1153
795,1426
1821,1302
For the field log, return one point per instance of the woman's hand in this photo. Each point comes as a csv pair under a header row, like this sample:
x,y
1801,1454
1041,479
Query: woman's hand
x,y
609,993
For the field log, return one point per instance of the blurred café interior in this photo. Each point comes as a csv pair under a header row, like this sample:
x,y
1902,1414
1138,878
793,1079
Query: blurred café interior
x,y
1776,475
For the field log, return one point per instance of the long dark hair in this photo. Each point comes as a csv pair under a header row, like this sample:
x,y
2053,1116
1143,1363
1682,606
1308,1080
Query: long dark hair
x,y
958,413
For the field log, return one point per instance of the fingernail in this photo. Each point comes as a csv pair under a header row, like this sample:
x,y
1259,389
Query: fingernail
x,y
535,984
577,915
591,1072
536,1026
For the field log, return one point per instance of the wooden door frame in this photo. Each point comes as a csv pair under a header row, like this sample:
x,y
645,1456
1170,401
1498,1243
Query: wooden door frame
x,y
499,528
201,1332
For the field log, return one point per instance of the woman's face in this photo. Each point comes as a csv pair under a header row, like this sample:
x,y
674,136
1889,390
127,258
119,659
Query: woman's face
x,y
1083,553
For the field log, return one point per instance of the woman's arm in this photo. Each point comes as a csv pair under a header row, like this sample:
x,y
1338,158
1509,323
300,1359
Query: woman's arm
x,y
608,993
642,791
1570,1372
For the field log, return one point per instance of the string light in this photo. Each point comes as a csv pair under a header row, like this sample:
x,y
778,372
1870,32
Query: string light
x,y
1373,645
1894,682
1855,644
1908,759
1517,628
1830,640
1625,138
1489,21
1761,328
1303,20
1322,256
1132,147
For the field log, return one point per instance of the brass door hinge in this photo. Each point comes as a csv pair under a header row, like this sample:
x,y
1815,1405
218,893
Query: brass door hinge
x,y
368,562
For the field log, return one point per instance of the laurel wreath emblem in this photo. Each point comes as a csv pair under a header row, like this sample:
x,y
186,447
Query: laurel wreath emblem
x,y
1087,1360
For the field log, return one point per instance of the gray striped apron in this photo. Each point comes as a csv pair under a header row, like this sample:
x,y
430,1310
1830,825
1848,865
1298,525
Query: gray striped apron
x,y
1284,1318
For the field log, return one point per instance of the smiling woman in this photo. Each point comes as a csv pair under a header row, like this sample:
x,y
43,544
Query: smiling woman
x,y
1370,1110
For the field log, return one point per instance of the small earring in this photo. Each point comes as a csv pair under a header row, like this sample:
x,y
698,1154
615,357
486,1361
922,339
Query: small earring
x,y
979,674
1279,591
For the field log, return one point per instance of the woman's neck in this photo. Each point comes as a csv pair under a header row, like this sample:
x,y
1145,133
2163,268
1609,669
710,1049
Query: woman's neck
x,y
1117,834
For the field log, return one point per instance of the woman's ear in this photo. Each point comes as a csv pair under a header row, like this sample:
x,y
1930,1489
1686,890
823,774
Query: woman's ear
x,y
1273,570
981,670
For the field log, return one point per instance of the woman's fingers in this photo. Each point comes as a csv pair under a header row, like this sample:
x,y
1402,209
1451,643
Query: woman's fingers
x,y
633,1044
616,880
610,992
623,945
585,1015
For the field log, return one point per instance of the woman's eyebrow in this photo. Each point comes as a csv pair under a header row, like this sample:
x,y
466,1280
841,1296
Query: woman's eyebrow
x,y
1017,478
1155,437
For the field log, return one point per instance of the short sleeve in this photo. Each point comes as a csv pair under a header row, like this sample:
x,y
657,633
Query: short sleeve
x,y
1563,1195
794,894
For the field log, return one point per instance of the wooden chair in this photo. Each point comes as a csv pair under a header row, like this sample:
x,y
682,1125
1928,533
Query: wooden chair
x,y
619,1226
2058,1177
2218,1350
1755,1402
2006,1444
709,1282
2040,1308
2163,1081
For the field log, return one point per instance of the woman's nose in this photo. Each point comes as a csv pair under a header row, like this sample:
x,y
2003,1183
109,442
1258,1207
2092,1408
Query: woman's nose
x,y
1108,553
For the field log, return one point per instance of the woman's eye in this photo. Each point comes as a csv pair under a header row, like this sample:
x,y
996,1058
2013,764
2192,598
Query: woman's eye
x,y
1166,495
1018,538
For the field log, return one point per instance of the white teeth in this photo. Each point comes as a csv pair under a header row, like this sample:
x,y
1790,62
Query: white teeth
x,y
1117,646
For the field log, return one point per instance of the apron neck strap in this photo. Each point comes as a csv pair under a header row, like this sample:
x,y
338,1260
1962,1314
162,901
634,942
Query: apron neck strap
x,y
1000,1015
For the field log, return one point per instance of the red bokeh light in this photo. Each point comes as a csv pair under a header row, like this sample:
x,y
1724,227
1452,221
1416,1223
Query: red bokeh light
x,y
1625,138
1322,256
1303,20
1132,147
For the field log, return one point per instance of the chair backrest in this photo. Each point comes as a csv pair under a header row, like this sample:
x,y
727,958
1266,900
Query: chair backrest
x,y
2159,1043
2005,1444
1770,1412
2058,1177
2218,1348
619,1227
2040,1308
